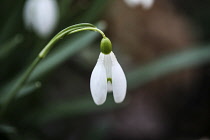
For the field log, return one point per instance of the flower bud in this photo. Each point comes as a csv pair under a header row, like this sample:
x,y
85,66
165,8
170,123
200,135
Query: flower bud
x,y
106,46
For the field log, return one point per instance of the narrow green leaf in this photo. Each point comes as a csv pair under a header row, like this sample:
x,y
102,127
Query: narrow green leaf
x,y
168,64
97,7
69,108
9,46
65,4
11,24
7,129
29,89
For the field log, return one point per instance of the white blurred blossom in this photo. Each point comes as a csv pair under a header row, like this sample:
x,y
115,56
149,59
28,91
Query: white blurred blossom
x,y
41,16
146,4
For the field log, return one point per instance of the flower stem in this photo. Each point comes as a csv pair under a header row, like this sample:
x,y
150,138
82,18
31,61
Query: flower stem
x,y
90,28
11,95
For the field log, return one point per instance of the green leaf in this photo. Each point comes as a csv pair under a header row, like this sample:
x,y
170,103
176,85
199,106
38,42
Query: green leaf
x,y
11,23
69,108
9,46
168,64
7,129
93,12
29,88
64,4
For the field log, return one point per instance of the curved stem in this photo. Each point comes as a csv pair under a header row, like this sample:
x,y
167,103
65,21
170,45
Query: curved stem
x,y
89,28
48,47
23,79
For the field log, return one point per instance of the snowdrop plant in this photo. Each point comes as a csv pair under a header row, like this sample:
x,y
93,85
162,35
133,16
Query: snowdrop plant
x,y
107,76
41,16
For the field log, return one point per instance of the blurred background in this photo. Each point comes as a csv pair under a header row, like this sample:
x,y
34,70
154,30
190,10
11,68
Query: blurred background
x,y
162,46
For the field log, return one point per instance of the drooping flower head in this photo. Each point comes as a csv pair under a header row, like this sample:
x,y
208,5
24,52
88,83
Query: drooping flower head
x,y
107,76
41,16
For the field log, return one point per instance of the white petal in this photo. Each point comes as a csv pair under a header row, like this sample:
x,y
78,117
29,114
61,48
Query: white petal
x,y
109,86
41,15
98,82
108,65
28,13
119,83
147,4
46,17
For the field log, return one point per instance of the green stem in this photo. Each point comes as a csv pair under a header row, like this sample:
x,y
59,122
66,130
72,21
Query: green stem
x,y
89,28
23,79
48,47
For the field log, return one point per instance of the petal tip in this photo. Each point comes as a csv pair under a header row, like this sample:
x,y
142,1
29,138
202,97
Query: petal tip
x,y
119,99
99,100
99,103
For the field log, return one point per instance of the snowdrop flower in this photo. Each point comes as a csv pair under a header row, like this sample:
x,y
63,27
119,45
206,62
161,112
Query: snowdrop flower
x,y
41,16
107,76
147,4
